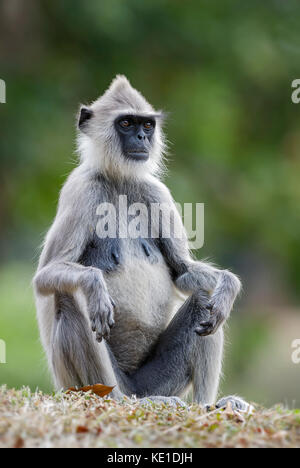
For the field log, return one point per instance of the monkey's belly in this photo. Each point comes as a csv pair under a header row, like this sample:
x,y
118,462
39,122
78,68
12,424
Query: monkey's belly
x,y
144,296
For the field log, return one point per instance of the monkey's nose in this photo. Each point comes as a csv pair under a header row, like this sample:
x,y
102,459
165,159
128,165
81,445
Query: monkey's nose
x,y
141,136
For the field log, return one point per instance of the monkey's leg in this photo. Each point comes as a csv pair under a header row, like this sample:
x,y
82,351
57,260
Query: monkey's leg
x,y
207,368
77,359
182,357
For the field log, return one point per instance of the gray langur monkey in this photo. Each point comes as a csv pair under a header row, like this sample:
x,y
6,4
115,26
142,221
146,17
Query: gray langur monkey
x,y
108,308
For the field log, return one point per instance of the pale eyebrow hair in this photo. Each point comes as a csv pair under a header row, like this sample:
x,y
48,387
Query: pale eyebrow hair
x,y
159,116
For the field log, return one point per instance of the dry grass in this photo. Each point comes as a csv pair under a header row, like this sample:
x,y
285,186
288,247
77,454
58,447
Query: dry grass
x,y
85,420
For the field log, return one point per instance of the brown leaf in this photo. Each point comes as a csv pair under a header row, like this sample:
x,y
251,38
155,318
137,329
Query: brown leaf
x,y
98,389
19,443
81,430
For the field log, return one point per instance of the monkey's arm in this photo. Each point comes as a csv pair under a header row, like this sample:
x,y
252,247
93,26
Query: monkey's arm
x,y
220,287
59,270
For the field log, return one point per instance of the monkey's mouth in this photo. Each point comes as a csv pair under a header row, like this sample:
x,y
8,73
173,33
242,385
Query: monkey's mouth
x,y
138,155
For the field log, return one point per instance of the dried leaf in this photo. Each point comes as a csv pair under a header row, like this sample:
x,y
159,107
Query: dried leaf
x,y
19,443
81,430
98,389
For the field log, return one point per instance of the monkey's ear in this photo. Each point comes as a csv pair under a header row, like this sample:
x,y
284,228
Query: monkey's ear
x,y
85,114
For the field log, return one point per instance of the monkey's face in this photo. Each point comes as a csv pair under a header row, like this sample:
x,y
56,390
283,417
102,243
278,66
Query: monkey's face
x,y
121,133
135,133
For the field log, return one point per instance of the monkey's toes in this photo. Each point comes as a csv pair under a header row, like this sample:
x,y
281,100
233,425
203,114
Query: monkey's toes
x,y
237,404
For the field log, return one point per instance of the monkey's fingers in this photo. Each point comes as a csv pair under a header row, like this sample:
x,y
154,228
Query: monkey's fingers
x,y
106,332
206,328
107,320
110,319
106,329
203,331
97,327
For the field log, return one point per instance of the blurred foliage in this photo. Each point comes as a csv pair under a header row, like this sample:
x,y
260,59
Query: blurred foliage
x,y
25,362
222,69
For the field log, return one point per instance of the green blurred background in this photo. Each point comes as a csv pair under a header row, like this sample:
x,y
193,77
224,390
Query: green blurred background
x,y
223,70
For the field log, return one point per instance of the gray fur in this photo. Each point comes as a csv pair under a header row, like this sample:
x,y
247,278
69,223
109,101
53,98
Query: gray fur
x,y
107,309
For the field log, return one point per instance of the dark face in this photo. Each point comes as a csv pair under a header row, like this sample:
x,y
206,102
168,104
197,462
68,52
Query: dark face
x,y
136,134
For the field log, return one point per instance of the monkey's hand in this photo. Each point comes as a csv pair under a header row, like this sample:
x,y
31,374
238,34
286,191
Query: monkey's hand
x,y
100,306
220,304
218,316
102,317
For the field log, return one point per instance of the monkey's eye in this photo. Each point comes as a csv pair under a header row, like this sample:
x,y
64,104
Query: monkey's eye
x,y
148,125
125,123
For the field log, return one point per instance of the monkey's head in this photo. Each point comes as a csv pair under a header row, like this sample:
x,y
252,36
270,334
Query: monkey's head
x,y
121,134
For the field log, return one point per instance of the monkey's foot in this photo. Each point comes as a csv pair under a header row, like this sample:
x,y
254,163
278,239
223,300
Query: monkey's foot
x,y
237,403
172,401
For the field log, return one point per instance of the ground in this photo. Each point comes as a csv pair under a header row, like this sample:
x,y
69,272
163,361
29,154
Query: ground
x,y
85,420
